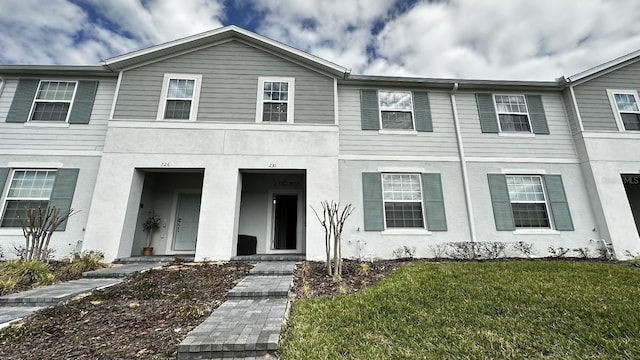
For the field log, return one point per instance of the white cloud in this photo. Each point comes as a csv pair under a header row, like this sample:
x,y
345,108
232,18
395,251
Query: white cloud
x,y
497,39
64,33
516,39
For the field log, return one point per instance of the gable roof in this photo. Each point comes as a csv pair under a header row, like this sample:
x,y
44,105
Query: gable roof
x,y
605,68
217,35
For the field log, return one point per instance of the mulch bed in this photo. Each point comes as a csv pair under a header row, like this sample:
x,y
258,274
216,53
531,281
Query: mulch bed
x,y
145,317
311,279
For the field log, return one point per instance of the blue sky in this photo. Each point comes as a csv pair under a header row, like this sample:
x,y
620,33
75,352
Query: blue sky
x,y
473,39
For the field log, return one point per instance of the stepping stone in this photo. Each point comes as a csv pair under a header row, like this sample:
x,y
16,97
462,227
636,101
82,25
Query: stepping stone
x,y
121,271
273,268
55,294
262,286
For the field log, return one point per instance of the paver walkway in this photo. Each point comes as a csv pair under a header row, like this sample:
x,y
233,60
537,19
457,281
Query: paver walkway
x,y
248,324
14,307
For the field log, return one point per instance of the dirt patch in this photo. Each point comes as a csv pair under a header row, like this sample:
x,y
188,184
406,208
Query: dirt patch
x,y
145,317
311,279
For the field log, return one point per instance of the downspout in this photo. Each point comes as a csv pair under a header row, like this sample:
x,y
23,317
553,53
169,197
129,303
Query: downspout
x,y
463,164
2,81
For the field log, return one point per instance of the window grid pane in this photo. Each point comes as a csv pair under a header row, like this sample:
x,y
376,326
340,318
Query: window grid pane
x,y
631,121
56,90
511,104
274,112
16,208
50,111
32,184
395,100
396,120
178,109
513,122
403,214
626,102
180,89
530,215
276,91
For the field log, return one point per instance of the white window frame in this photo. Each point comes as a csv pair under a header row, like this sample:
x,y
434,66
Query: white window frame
x,y
381,109
545,202
36,100
5,194
614,105
195,101
498,113
290,99
384,201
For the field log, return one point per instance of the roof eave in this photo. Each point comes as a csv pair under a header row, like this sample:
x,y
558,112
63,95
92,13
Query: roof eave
x,y
463,84
56,70
597,70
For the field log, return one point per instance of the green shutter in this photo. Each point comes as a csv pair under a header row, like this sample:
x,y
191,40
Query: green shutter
x,y
434,202
372,202
558,202
536,113
22,100
4,175
487,113
501,203
83,102
369,110
63,189
422,111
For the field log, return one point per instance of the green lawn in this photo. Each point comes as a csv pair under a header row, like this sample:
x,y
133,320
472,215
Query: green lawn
x,y
477,310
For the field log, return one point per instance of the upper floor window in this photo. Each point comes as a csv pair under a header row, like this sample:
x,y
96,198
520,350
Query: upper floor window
x,y
626,110
512,113
28,189
275,100
180,96
396,110
53,100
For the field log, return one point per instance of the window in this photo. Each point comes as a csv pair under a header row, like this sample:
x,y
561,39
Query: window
x,y
180,96
625,104
528,201
52,101
402,195
396,110
512,113
28,189
275,100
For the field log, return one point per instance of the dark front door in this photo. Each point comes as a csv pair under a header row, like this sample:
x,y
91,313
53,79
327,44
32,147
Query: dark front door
x,y
632,188
285,221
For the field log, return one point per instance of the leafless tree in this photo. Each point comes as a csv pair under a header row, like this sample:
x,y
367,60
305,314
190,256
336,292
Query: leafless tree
x,y
38,225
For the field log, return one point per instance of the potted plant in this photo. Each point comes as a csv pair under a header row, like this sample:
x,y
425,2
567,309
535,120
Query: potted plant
x,y
150,226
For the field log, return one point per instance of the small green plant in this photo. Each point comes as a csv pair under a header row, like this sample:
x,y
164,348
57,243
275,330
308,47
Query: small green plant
x,y
190,312
7,285
364,268
90,260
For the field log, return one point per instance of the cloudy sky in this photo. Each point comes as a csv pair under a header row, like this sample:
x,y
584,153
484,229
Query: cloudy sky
x,y
473,39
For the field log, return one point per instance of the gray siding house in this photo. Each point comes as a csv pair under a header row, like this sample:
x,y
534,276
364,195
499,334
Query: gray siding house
x,y
230,137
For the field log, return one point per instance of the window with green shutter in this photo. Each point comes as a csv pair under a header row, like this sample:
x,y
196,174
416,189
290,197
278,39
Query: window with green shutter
x,y
529,202
53,101
511,113
395,110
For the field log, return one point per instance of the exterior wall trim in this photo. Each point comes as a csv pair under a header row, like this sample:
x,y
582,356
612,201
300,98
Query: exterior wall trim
x,y
196,125
523,160
398,158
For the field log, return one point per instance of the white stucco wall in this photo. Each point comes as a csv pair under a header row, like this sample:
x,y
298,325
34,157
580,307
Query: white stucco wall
x,y
609,156
222,153
358,243
585,232
63,243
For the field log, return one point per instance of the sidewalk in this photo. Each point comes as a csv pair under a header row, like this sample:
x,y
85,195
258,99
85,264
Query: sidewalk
x,y
14,307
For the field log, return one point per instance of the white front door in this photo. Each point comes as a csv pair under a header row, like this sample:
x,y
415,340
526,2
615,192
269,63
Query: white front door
x,y
186,225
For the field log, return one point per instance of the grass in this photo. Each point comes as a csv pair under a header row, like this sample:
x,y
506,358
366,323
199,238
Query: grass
x,y
477,310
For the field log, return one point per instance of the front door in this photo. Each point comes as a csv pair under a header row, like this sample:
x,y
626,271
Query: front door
x,y
186,225
632,188
285,222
